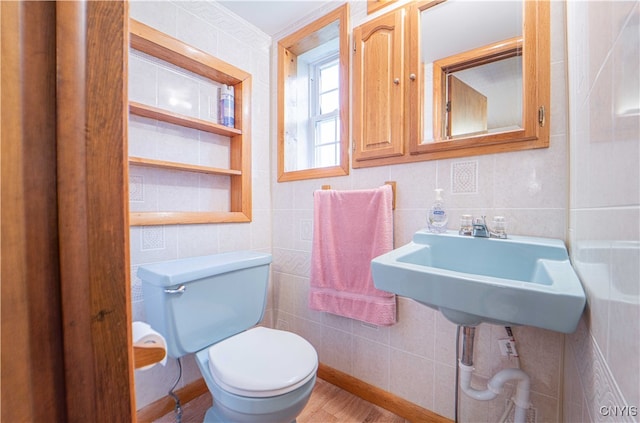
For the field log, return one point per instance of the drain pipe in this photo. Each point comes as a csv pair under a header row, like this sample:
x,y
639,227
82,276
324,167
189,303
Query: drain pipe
x,y
496,383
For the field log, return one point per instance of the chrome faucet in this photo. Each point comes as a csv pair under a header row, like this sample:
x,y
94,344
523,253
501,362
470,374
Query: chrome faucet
x,y
480,229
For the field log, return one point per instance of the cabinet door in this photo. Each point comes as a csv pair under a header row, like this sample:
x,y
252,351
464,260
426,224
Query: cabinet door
x,y
378,88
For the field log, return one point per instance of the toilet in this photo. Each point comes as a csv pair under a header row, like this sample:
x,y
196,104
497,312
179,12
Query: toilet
x,y
210,306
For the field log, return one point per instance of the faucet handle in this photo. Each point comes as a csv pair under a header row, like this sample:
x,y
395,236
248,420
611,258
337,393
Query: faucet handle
x,y
499,227
466,224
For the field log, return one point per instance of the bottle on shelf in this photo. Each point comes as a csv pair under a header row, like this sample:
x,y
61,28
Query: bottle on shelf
x,y
226,108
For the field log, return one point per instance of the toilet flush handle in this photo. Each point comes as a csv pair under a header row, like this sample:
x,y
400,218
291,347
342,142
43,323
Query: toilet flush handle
x,y
179,290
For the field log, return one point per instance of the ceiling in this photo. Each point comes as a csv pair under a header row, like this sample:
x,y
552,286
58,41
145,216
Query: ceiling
x,y
274,16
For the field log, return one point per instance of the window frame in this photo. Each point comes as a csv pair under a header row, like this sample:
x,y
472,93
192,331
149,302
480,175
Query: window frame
x,y
289,48
315,114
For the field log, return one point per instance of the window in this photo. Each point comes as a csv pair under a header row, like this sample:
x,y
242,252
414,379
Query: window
x,y
324,112
313,99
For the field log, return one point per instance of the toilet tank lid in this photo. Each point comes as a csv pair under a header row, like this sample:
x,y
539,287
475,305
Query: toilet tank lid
x,y
173,272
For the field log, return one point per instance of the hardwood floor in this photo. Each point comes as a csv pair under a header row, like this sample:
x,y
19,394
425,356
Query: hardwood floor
x,y
328,404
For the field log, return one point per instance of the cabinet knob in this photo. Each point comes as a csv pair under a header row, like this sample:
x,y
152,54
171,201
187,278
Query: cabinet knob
x,y
396,81
412,76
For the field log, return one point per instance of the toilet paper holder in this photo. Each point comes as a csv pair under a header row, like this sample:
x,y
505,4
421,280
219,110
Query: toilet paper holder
x,y
145,356
149,347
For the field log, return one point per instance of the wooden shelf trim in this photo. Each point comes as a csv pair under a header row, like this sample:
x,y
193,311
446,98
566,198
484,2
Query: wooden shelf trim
x,y
186,218
182,120
155,43
141,161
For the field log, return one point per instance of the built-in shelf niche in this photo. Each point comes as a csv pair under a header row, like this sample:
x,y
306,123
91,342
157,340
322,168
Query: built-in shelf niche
x,y
164,47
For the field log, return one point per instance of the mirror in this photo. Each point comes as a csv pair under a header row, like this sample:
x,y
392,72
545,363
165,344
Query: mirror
x,y
313,102
486,92
478,97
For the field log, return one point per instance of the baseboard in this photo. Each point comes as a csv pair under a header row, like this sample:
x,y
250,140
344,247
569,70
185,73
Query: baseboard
x,y
164,405
373,394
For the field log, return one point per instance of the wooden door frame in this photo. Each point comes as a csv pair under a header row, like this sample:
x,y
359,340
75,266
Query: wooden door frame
x,y
66,317
93,209
32,361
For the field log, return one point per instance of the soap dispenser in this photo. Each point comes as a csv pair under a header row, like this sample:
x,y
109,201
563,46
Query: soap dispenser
x,y
437,217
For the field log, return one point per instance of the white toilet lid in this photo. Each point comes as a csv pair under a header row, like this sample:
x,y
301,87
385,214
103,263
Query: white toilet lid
x,y
262,362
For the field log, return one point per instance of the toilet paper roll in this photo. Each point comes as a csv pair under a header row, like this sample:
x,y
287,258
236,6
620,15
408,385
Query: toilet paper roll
x,y
145,337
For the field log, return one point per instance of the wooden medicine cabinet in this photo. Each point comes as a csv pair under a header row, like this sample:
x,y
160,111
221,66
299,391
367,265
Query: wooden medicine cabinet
x,y
168,49
446,87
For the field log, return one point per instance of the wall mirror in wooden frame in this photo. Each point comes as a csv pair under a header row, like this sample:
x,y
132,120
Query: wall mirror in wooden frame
x,y
484,70
313,99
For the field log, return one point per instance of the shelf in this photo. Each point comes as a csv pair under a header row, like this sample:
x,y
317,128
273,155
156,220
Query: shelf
x,y
155,43
186,218
164,47
141,161
182,120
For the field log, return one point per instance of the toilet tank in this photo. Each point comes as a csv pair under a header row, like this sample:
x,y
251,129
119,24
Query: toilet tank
x,y
198,301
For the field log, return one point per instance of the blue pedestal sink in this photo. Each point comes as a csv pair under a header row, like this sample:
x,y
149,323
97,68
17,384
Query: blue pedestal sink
x,y
516,281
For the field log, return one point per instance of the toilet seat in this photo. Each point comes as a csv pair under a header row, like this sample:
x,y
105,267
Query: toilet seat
x,y
262,362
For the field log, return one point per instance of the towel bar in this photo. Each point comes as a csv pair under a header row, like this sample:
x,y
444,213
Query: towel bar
x,y
393,188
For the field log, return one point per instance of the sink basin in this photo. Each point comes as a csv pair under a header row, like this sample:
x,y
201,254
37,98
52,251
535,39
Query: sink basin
x,y
516,281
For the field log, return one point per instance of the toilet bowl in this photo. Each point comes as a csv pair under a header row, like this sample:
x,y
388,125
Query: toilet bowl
x,y
210,306
261,375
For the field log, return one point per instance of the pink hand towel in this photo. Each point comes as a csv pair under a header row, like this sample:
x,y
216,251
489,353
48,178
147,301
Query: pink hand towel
x,y
350,228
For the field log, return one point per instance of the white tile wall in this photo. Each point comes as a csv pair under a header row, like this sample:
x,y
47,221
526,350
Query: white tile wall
x,y
209,27
601,366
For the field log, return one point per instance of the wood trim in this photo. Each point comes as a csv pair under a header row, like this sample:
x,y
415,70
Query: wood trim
x,y
441,68
321,172
182,120
375,5
482,55
165,405
32,361
145,356
155,43
307,39
93,210
288,48
240,154
292,40
142,161
379,397
286,61
186,218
